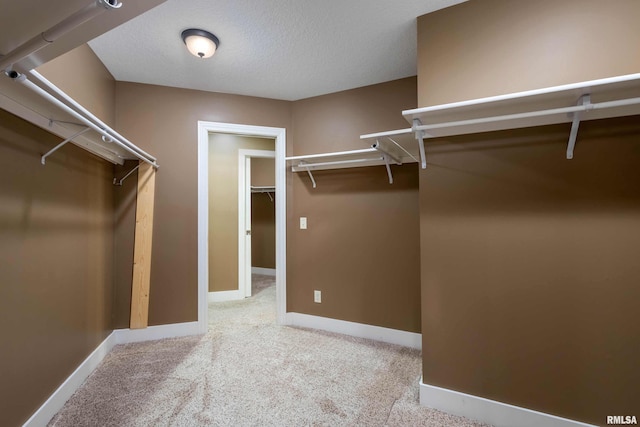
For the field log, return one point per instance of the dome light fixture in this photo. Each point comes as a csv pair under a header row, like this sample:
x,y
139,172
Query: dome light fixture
x,y
200,43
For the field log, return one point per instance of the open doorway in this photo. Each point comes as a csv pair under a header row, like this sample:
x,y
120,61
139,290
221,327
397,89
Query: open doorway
x,y
230,159
257,220
277,138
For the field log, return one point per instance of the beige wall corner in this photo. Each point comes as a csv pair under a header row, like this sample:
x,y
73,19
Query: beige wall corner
x,y
361,248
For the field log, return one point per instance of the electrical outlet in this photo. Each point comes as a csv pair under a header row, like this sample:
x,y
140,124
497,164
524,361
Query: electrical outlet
x,y
317,296
303,223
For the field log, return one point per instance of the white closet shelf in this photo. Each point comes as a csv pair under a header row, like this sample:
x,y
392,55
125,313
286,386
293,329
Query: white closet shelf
x,y
336,160
33,98
263,189
572,103
383,152
610,97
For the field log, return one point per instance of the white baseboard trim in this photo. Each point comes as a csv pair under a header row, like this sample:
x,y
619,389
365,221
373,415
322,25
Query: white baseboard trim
x,y
126,336
222,296
378,333
488,411
264,271
119,336
58,398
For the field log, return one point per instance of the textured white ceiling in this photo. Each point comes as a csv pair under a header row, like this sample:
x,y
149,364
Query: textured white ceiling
x,y
281,49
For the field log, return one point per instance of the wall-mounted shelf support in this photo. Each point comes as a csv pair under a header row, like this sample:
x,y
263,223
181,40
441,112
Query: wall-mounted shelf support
x,y
383,152
313,181
390,152
386,163
420,134
43,159
584,100
119,183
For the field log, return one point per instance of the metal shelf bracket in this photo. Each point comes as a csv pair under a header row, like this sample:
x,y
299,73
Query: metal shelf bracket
x,y
386,163
43,159
420,134
115,180
585,100
313,181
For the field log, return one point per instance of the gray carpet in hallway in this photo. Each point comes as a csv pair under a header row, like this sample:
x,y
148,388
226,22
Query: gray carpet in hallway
x,y
248,371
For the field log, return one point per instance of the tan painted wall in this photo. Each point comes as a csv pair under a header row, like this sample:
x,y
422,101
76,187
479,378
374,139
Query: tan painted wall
x,y
491,47
56,252
223,206
263,215
83,77
57,231
529,272
124,239
263,171
164,121
92,85
361,248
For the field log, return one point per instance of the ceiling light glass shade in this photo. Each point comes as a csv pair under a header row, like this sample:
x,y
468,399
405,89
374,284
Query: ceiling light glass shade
x,y
200,43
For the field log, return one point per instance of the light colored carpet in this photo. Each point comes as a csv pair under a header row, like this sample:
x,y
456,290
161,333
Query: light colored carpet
x,y
248,371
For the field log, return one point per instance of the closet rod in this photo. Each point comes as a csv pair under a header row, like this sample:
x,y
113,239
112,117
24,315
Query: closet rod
x,y
387,133
113,134
334,154
340,162
531,114
47,37
22,79
521,96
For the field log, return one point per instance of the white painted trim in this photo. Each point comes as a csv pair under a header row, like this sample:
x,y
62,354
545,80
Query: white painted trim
x,y
378,333
244,204
58,398
203,225
263,271
126,336
222,296
489,411
203,212
244,223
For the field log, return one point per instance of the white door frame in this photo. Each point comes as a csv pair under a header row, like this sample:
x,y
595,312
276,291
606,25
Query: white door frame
x,y
204,128
244,216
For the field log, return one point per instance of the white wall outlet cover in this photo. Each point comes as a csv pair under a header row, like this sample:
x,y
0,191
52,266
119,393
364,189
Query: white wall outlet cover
x,y
317,296
303,223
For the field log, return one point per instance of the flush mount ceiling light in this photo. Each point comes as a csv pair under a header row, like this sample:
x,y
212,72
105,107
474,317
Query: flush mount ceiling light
x,y
200,43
